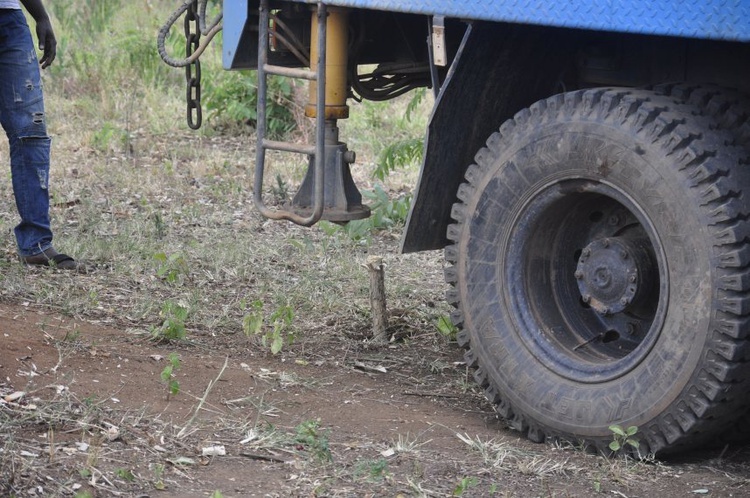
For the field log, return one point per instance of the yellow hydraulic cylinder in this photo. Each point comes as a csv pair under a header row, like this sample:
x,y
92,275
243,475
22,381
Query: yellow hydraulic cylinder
x,y
337,53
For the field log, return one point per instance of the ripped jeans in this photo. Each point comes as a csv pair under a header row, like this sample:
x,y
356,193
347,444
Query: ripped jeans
x,y
22,118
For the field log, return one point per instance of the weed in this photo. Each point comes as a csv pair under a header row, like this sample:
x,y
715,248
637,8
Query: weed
x,y
171,268
597,486
167,375
160,228
416,100
158,471
311,438
446,328
173,326
125,475
399,154
108,138
376,470
280,332
231,98
464,485
71,336
385,213
623,437
252,322
280,190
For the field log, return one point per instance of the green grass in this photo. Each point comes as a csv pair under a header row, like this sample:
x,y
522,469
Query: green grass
x,y
149,204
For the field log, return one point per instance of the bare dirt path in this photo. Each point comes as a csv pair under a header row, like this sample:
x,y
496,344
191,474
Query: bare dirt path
x,y
329,417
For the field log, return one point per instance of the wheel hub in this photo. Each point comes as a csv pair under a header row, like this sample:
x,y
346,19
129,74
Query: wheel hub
x,y
610,274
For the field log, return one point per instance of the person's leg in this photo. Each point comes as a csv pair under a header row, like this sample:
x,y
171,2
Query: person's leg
x,y
22,118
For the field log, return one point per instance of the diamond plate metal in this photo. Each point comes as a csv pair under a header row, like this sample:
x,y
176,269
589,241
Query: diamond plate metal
x,y
714,19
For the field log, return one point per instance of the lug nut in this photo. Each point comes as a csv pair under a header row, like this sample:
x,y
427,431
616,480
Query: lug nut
x,y
586,298
578,274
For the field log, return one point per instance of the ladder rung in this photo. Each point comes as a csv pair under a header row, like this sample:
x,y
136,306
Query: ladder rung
x,y
289,147
290,72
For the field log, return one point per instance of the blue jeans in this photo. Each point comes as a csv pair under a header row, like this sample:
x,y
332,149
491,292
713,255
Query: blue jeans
x,y
22,118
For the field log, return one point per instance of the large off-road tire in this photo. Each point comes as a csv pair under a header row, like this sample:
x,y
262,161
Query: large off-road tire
x,y
599,270
730,110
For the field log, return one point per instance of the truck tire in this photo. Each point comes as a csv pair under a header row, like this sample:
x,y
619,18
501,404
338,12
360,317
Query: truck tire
x,y
599,270
731,111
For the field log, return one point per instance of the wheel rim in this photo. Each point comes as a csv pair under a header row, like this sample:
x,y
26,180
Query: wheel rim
x,y
586,278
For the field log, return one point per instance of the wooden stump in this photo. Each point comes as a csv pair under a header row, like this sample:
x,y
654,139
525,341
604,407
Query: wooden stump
x,y
377,299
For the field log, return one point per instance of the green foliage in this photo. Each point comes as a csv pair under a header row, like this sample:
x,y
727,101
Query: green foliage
x,y
217,494
399,154
160,228
404,152
158,482
108,138
464,485
386,213
622,437
446,328
103,43
280,190
231,98
173,326
376,470
278,334
167,375
252,322
312,439
125,474
414,103
171,267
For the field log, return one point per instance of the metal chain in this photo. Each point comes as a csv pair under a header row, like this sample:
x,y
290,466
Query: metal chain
x,y
193,70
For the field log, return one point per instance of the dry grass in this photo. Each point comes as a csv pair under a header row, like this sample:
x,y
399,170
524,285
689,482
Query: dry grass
x,y
162,215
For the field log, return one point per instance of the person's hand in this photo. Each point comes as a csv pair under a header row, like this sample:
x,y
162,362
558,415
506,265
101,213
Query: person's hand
x,y
47,42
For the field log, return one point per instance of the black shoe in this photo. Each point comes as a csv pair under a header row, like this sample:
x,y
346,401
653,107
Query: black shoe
x,y
53,259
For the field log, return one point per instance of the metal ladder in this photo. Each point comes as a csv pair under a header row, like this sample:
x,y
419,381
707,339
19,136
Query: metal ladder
x,y
316,151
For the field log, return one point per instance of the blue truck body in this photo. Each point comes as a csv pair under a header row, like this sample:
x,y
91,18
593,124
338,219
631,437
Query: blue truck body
x,y
707,19
714,19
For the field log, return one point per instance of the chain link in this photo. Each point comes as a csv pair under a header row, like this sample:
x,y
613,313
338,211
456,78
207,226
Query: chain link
x,y
193,70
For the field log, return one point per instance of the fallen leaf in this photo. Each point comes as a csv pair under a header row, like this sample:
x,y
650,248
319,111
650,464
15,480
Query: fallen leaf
x,y
14,396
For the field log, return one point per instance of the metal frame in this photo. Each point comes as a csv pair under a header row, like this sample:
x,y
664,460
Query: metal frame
x,y
318,149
